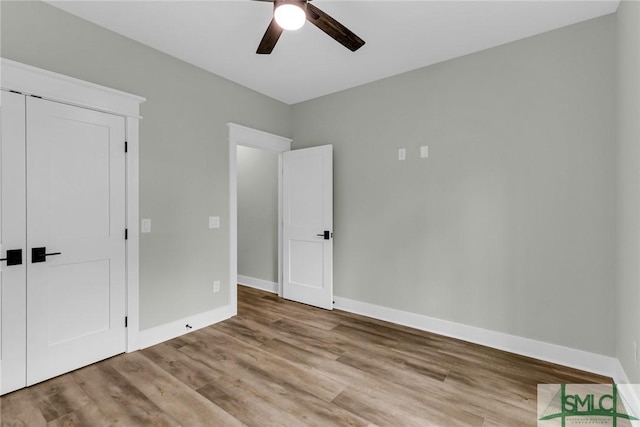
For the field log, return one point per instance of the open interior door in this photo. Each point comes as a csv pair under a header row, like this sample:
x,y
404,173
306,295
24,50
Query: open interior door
x,y
307,232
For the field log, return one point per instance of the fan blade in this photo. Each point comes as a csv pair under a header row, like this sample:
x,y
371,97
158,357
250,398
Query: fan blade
x,y
270,38
333,28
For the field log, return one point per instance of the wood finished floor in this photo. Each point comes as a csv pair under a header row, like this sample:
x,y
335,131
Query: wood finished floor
x,y
280,363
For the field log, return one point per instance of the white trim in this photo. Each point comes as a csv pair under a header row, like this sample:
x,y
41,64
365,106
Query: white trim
x,y
255,138
619,375
133,238
280,223
233,223
248,137
579,359
57,87
630,392
631,400
264,285
168,331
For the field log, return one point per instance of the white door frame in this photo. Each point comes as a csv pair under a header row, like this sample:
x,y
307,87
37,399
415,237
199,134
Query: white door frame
x,y
56,87
248,137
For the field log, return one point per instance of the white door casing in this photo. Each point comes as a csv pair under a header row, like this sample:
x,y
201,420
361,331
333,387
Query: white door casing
x,y
76,301
248,137
307,217
13,278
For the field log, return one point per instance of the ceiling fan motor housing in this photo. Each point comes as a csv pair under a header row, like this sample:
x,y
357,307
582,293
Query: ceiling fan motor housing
x,y
302,4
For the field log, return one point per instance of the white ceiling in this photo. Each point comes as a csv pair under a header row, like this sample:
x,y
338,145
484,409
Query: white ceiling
x,y
222,36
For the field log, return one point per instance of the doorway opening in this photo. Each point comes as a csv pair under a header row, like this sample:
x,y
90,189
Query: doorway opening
x,y
248,138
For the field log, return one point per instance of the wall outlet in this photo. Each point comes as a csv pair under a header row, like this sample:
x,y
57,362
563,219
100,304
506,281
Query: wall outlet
x,y
214,222
635,352
216,286
424,151
145,225
402,153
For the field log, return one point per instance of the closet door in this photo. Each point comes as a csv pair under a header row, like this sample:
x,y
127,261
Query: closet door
x,y
13,278
76,290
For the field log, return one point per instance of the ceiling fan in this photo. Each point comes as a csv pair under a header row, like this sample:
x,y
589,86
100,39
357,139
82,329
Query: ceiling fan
x,y
291,15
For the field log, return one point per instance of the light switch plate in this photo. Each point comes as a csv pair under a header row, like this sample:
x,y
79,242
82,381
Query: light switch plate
x,y
402,154
145,226
214,222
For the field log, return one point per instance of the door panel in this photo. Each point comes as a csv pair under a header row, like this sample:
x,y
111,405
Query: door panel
x,y
306,262
307,214
75,207
77,291
13,279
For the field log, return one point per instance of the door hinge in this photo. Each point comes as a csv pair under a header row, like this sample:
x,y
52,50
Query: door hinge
x,y
126,233
126,148
126,321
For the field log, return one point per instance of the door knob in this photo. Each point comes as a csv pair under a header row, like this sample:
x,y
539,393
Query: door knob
x,y
14,257
40,254
326,235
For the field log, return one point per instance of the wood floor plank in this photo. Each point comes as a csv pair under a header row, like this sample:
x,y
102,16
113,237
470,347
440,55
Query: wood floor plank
x,y
189,371
316,340
316,317
247,330
362,381
58,397
257,312
169,394
396,366
19,409
120,402
246,405
303,405
89,415
246,357
395,410
310,361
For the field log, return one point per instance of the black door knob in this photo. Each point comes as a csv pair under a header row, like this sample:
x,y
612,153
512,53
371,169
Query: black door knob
x,y
326,235
40,254
14,257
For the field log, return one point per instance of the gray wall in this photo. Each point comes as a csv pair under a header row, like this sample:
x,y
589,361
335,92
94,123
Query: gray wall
x,y
509,225
183,147
628,328
258,213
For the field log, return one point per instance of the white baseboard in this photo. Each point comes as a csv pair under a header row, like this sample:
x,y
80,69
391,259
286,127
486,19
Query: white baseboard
x,y
579,359
264,285
631,399
619,375
158,334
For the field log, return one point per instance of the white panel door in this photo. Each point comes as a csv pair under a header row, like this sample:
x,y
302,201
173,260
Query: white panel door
x,y
308,226
76,211
13,278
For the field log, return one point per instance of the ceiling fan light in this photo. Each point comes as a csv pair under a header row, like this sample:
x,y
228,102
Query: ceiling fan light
x,y
290,16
